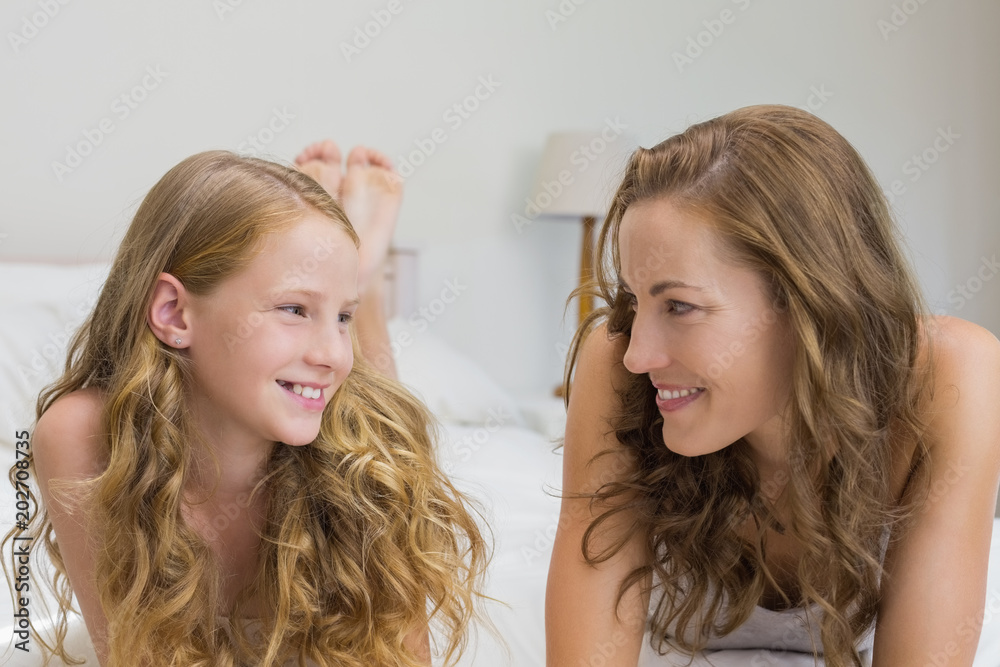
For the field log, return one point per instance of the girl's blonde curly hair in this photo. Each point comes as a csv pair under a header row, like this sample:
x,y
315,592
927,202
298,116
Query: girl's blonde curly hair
x,y
365,539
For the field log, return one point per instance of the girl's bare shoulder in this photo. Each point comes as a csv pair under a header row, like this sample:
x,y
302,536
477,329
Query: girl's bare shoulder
x,y
67,441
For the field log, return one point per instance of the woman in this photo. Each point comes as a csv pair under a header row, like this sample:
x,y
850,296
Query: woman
x,y
770,445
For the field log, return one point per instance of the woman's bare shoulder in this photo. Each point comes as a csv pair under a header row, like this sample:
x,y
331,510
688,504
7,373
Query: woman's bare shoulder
x,y
965,364
594,405
600,367
961,354
67,441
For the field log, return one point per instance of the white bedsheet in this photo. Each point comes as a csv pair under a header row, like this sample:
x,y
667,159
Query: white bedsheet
x,y
514,473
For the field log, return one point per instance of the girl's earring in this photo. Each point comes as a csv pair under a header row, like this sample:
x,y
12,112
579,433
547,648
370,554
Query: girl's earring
x,y
178,341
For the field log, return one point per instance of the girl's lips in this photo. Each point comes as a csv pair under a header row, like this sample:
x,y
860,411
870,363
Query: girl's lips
x,y
309,403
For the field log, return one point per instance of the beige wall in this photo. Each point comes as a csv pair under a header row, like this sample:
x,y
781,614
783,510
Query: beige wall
x,y
176,78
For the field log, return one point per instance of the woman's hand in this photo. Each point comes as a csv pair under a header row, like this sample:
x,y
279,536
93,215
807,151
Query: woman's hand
x,y
583,625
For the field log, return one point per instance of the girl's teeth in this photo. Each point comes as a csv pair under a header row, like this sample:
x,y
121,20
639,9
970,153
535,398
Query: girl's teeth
x,y
666,394
306,392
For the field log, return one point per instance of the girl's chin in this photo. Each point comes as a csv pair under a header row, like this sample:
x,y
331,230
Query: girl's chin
x,y
300,439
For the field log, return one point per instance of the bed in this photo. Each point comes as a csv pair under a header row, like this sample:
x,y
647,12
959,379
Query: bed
x,y
498,448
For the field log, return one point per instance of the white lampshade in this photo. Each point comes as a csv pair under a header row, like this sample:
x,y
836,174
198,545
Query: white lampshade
x,y
579,172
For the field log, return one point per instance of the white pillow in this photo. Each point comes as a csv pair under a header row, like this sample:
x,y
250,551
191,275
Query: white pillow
x,y
452,385
46,303
43,305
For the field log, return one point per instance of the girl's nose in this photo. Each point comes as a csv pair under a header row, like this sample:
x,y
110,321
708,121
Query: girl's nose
x,y
331,347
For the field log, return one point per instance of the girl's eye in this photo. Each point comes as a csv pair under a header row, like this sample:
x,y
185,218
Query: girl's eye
x,y
346,318
294,310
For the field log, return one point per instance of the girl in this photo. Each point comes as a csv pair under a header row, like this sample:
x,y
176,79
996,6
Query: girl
x,y
770,445
225,480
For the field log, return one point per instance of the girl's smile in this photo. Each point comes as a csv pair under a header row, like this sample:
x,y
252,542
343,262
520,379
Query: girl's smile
x,y
272,344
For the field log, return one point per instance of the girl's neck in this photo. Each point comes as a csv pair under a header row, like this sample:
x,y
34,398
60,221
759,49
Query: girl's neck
x,y
227,472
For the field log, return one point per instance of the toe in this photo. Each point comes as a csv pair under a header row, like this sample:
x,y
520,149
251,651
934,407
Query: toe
x,y
325,151
359,156
329,152
379,159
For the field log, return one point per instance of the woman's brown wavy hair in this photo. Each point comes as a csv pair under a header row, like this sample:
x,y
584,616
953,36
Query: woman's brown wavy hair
x,y
365,539
796,203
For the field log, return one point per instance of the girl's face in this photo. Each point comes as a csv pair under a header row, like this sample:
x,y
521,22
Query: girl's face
x,y
704,327
281,323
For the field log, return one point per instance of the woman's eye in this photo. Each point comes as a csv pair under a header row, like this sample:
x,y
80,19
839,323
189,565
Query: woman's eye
x,y
680,308
346,318
294,310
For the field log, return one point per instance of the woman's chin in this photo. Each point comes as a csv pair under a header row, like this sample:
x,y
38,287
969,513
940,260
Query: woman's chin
x,y
691,448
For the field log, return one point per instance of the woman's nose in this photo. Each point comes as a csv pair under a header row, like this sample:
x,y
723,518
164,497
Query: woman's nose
x,y
646,347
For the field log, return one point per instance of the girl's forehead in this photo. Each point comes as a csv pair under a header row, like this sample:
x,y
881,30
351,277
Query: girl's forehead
x,y
307,255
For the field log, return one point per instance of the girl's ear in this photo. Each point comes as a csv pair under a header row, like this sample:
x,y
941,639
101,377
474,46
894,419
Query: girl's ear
x,y
169,312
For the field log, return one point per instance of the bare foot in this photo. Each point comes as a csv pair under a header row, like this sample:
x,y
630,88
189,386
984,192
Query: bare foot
x,y
371,193
321,161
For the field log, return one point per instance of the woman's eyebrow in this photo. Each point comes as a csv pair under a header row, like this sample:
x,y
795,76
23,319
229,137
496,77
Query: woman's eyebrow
x,y
662,286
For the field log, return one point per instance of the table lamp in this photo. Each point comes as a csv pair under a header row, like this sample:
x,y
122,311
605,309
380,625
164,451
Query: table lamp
x,y
577,176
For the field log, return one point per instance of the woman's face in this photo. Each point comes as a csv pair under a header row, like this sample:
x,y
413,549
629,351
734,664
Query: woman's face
x,y
704,327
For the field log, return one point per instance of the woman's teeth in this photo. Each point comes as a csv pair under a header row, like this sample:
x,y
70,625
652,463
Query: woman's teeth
x,y
666,394
305,392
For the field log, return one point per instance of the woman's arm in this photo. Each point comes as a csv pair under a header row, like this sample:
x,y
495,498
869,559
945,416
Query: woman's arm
x,y
580,621
933,601
65,447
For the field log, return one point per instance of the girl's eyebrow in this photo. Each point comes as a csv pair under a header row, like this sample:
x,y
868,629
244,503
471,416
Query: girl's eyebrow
x,y
306,293
295,291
